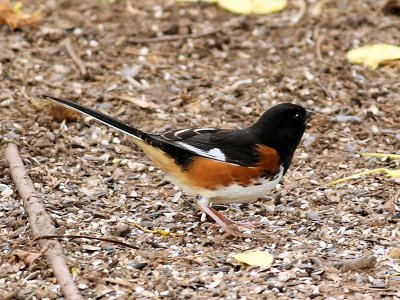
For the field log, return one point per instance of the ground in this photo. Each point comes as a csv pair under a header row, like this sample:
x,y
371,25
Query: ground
x,y
95,182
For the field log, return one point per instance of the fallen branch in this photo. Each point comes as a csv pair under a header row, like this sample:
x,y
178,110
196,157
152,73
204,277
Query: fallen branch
x,y
40,223
168,38
75,57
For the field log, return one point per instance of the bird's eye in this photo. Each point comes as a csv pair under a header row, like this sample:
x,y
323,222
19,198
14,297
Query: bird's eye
x,y
297,116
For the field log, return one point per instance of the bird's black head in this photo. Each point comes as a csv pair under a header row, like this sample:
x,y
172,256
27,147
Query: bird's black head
x,y
281,127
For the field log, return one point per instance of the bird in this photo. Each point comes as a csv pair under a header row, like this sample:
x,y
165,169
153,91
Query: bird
x,y
219,166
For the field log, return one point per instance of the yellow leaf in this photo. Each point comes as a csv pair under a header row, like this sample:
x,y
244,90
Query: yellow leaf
x,y
391,173
372,56
246,7
255,258
381,155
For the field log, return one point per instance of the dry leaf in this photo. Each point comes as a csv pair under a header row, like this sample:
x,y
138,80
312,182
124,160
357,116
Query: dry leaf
x,y
29,258
255,258
58,112
15,17
374,55
61,113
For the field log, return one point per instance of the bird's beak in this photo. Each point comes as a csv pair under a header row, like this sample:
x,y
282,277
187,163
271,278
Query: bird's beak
x,y
309,114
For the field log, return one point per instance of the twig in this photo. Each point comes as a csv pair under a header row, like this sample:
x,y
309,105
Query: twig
x,y
319,40
168,38
40,223
74,57
318,47
112,241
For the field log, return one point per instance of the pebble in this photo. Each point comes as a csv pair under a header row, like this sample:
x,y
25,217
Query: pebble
x,y
82,286
77,31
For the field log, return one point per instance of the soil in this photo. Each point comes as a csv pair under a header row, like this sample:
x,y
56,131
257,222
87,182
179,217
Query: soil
x,y
95,183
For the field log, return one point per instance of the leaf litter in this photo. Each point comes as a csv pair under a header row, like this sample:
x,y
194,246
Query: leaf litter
x,y
227,80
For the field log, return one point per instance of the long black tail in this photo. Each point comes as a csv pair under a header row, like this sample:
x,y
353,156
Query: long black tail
x,y
110,121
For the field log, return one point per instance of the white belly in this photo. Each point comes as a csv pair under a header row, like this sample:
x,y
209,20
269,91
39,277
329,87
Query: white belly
x,y
236,193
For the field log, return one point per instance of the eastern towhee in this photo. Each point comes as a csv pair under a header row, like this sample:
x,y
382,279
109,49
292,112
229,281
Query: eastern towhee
x,y
220,165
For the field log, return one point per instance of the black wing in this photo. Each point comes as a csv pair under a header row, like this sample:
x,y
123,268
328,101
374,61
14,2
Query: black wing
x,y
231,146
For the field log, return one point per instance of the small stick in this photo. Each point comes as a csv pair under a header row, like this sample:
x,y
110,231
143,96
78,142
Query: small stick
x,y
112,241
75,57
40,223
168,38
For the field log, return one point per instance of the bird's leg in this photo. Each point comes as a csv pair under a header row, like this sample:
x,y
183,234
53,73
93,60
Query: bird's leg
x,y
230,221
205,207
227,224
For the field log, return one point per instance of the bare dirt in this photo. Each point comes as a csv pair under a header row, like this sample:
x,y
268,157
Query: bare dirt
x,y
96,183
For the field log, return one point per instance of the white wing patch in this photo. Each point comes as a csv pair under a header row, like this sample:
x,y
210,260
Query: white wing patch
x,y
217,153
214,153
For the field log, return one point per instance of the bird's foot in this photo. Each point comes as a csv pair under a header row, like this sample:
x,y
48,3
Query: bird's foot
x,y
231,227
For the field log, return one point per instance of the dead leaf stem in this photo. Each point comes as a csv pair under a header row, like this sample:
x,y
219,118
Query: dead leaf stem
x,y
79,63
